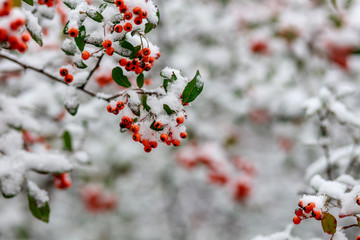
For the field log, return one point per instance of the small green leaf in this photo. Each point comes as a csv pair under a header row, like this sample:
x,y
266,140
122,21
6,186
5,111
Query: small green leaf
x,y
30,2
79,40
102,7
158,15
95,15
67,141
119,78
329,224
140,80
149,27
155,129
144,103
127,45
36,36
42,213
109,1
80,64
166,84
192,89
168,110
66,28
70,4
135,52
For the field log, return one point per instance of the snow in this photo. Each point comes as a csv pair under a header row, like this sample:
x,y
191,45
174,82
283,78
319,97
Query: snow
x,y
41,196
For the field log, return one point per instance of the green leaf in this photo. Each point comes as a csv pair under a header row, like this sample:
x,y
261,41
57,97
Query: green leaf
x,y
67,141
192,89
140,80
168,110
127,45
329,223
135,52
334,3
66,28
42,213
70,4
109,1
144,103
69,49
80,64
95,15
158,15
135,109
30,2
36,36
79,40
102,7
166,84
149,27
119,78
72,109
153,128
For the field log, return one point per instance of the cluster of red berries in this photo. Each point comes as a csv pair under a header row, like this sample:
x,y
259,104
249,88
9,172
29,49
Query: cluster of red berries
x,y
96,200
137,14
107,44
10,35
5,9
142,62
64,72
48,3
307,211
62,181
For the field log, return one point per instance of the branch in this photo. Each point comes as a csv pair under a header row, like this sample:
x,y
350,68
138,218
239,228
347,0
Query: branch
x,y
92,71
325,146
349,226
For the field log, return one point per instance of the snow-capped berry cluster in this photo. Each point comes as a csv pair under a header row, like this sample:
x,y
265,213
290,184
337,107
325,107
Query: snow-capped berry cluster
x,y
309,207
13,34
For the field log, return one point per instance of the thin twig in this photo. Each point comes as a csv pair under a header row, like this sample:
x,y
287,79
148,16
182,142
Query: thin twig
x,y
325,146
92,71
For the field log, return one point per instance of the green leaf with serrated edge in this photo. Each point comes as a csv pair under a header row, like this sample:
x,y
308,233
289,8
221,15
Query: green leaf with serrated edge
x,y
140,80
30,2
148,27
127,45
119,78
168,110
67,141
66,28
153,128
95,15
79,40
329,223
192,89
80,65
102,7
42,213
37,37
135,52
144,103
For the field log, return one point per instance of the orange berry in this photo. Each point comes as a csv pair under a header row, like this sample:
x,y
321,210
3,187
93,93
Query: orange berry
x,y
183,135
13,42
175,142
137,10
128,16
309,207
163,137
146,51
316,214
69,78
127,27
85,55
3,35
146,143
123,9
138,20
108,108
135,128
138,70
110,51
22,47
107,43
299,212
143,14
147,81
136,137
154,144
120,105
158,55
147,67
25,37
296,220
125,119
147,149
168,142
179,120
157,125
300,204
73,32
358,200
118,28
62,181
63,72
123,62
119,3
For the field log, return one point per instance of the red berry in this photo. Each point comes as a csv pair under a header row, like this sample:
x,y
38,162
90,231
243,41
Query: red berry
x,y
143,14
73,32
296,220
64,72
118,28
164,137
119,3
146,143
183,135
127,27
358,200
62,181
128,16
147,149
175,142
309,207
134,128
154,144
25,37
22,47
157,125
299,212
85,55
69,78
136,137
125,119
146,51
3,35
108,108
316,214
358,237
138,20
179,120
137,10
107,43
110,51
123,62
120,105
123,9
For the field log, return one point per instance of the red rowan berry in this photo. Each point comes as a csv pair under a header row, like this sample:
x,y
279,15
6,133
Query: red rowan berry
x,y
3,35
146,143
14,26
123,62
299,212
128,15
125,119
135,128
168,142
136,137
146,51
154,144
123,9
73,32
309,207
138,70
107,43
183,135
127,27
163,137
68,78
115,111
120,105
179,120
110,51
13,42
147,149
175,142
25,37
50,3
151,60
157,125
137,10
358,200
62,181
300,204
119,3
85,55
118,28
64,72
138,20
108,108
316,214
22,47
143,14
296,220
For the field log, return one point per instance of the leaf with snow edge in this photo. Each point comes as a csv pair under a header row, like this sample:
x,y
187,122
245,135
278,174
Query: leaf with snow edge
x,y
71,109
168,110
95,15
192,89
70,4
80,64
93,41
30,2
167,80
102,7
42,213
125,44
144,103
67,141
33,28
66,28
120,78
343,114
158,15
135,52
155,129
11,183
149,27
329,223
109,1
68,47
80,42
140,80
